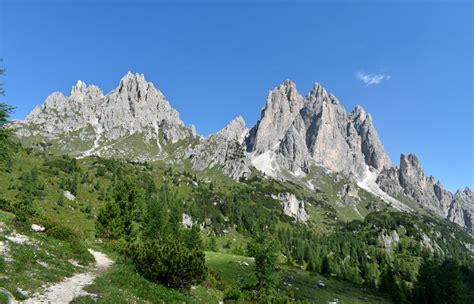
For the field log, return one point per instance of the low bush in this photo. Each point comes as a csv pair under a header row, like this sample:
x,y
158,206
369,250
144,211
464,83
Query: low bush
x,y
168,262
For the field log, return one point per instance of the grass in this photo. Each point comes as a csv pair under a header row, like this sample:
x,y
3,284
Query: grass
x,y
3,299
229,268
122,284
304,286
301,284
43,259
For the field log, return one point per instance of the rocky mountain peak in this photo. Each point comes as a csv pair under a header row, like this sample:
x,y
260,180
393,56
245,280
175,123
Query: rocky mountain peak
x,y
294,134
372,148
410,180
283,104
80,87
289,88
82,91
235,130
134,107
465,190
135,88
317,92
358,114
411,172
465,194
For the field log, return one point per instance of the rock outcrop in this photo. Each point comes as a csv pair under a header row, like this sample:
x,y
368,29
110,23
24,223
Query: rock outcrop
x,y
283,105
348,195
410,179
294,134
224,149
316,129
292,206
134,107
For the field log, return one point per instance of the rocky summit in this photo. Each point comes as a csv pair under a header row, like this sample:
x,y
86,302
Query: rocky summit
x,y
295,135
89,123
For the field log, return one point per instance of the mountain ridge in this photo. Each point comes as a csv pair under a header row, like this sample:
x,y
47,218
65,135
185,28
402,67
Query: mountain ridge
x,y
294,134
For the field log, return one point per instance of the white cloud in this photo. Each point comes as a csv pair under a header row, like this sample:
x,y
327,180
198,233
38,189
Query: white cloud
x,y
372,79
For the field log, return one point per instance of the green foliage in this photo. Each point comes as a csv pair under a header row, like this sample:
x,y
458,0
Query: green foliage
x,y
120,215
168,262
59,231
66,164
121,283
23,209
264,249
140,207
354,251
443,282
31,184
6,145
232,294
212,244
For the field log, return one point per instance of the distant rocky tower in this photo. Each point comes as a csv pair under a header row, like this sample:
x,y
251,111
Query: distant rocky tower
x,y
294,135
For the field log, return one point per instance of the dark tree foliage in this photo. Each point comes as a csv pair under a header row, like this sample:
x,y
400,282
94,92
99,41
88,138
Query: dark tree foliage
x,y
147,221
353,252
443,282
6,145
264,249
121,214
168,262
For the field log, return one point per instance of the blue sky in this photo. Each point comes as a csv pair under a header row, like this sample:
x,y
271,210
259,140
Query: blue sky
x,y
408,63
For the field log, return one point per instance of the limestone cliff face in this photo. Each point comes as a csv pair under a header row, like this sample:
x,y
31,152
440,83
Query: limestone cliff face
x,y
409,179
134,107
316,129
283,105
371,145
224,149
294,133
292,206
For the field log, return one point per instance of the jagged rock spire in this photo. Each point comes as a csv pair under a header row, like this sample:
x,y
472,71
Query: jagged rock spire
x,y
283,104
134,107
235,130
81,91
371,146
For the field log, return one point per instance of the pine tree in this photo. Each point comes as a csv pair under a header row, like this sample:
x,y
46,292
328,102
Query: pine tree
x,y
425,289
325,267
155,219
6,145
263,248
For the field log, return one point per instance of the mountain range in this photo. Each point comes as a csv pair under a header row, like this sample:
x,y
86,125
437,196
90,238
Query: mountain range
x,y
295,137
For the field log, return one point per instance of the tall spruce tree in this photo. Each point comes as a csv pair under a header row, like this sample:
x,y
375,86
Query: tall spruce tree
x,y
263,248
5,111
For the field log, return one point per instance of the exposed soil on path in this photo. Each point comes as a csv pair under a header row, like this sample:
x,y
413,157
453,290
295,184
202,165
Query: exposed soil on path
x,y
70,288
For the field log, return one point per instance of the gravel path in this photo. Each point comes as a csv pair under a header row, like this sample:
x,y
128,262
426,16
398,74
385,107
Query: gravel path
x,y
10,299
70,288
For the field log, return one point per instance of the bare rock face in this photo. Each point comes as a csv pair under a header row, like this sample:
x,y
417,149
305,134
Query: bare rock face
x,y
389,181
331,139
462,209
134,107
224,149
348,195
292,206
235,130
409,179
283,105
372,148
294,134
389,240
316,130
